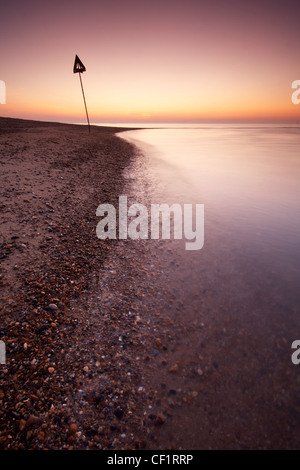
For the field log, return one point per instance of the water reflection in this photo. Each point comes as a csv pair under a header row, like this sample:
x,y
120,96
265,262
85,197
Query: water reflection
x,y
248,179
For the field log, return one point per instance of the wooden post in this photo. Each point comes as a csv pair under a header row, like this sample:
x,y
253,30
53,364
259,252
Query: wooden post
x,y
87,116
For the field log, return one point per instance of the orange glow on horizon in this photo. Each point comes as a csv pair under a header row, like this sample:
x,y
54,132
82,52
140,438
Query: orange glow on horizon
x,y
74,112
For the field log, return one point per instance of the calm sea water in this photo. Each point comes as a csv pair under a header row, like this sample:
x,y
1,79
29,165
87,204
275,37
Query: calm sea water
x,y
243,284
247,177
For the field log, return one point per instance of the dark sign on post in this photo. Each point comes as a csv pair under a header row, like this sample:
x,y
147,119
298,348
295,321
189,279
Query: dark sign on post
x,y
79,68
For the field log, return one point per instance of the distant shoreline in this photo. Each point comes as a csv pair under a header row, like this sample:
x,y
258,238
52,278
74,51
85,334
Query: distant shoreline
x,y
17,123
136,125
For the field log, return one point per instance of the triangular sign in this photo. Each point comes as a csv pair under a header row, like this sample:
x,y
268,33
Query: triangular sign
x,y
78,65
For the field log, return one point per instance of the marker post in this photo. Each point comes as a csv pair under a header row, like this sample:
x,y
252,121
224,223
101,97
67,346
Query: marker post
x,y
79,68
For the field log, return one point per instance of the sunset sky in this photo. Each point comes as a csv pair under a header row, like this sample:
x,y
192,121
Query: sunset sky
x,y
162,60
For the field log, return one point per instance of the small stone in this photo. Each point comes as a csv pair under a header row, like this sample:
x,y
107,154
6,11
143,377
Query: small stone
x,y
119,413
73,428
32,420
51,370
199,371
85,369
174,369
22,424
41,328
52,307
160,419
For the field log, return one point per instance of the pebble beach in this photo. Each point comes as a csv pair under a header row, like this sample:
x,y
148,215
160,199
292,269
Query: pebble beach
x,y
52,179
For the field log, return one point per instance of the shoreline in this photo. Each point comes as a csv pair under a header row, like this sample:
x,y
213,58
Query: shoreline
x,y
84,337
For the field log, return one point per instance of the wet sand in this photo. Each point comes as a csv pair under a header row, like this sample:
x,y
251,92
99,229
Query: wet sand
x,y
103,352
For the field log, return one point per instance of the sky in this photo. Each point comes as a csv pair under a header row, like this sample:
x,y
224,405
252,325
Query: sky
x,y
156,61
